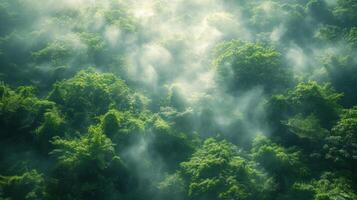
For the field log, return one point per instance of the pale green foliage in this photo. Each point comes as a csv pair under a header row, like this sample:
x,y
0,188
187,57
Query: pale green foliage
x,y
351,37
262,16
57,52
172,187
345,12
181,120
319,9
93,41
175,98
306,127
140,102
161,125
330,33
120,18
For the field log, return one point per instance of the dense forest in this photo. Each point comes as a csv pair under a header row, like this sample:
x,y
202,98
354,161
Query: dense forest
x,y
178,99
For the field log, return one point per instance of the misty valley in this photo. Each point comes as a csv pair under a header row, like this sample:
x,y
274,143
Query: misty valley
x,y
178,99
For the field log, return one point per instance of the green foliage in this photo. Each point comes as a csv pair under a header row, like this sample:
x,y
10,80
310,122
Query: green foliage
x,y
28,186
175,98
351,37
57,52
96,47
342,70
110,122
91,135
172,187
53,125
85,165
345,12
243,66
297,27
121,19
217,171
330,33
306,127
276,159
312,98
93,41
89,94
181,121
14,14
20,111
304,115
319,10
328,187
341,145
284,164
262,17
123,127
93,146
173,146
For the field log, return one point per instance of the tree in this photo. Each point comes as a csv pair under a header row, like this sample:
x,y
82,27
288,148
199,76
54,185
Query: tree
x,y
20,111
88,168
28,186
173,187
306,99
53,125
341,145
298,27
351,37
58,53
283,163
321,100
330,33
123,127
119,17
328,187
306,127
319,10
262,17
342,70
244,66
169,143
345,12
218,171
89,94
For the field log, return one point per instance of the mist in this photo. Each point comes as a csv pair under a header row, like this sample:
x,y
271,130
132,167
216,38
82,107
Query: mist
x,y
182,99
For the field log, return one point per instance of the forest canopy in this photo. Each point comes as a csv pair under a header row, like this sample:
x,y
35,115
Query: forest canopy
x,y
178,99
